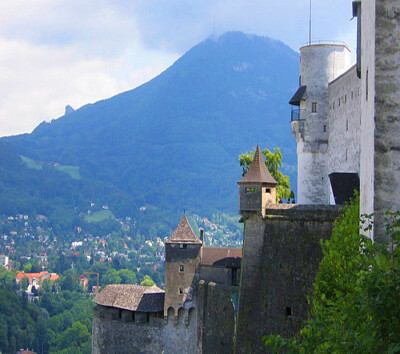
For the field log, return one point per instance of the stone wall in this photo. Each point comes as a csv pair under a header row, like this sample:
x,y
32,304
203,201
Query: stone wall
x,y
217,318
179,285
114,331
344,124
180,334
281,254
387,111
367,153
319,64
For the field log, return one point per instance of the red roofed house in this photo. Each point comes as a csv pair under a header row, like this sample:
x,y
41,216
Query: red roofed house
x,y
36,279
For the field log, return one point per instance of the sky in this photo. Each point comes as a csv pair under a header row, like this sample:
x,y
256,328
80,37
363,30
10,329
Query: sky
x,y
59,52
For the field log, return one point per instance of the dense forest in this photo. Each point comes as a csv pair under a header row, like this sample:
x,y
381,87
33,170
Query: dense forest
x,y
60,322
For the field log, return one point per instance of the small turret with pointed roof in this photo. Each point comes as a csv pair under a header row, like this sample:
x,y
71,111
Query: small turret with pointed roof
x,y
182,257
257,188
183,233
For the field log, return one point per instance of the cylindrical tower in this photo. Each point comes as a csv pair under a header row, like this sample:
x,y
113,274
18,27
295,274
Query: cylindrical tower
x,y
319,64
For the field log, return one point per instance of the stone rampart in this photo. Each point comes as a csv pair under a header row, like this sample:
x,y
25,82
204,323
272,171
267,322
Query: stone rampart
x,y
118,331
281,253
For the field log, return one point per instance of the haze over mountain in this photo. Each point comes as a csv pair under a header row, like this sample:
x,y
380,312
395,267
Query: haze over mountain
x,y
172,143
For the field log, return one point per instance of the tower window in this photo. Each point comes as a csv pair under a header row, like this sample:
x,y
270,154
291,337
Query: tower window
x,y
182,246
324,128
352,94
181,268
314,107
180,291
267,190
250,190
288,312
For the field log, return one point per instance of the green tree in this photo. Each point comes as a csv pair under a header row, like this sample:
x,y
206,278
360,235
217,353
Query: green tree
x,y
273,161
127,276
356,301
147,281
24,283
75,335
111,277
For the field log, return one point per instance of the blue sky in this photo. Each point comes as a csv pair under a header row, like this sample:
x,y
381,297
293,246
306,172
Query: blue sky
x,y
59,52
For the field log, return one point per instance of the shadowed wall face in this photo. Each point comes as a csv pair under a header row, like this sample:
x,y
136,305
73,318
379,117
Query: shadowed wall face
x,y
281,254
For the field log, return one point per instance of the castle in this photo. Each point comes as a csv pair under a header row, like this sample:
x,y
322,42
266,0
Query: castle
x,y
347,121
194,314
346,124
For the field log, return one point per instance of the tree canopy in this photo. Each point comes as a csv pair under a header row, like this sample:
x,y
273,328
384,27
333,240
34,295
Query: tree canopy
x,y
273,161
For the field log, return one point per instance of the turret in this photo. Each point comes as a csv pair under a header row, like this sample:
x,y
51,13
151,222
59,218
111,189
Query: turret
x,y
319,65
182,257
257,188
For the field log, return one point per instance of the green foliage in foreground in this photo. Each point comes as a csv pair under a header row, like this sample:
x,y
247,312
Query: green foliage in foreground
x,y
356,302
273,161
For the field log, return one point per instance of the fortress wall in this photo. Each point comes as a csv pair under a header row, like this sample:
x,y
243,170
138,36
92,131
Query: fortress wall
x,y
112,334
319,64
217,317
344,123
218,275
281,254
367,153
180,333
387,111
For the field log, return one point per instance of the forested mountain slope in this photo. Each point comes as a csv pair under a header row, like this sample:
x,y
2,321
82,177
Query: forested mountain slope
x,y
172,143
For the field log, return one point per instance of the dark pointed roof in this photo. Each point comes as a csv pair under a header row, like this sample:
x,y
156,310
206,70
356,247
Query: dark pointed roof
x,y
298,96
183,233
258,172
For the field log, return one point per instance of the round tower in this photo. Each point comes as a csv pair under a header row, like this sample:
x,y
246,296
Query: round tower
x,y
319,65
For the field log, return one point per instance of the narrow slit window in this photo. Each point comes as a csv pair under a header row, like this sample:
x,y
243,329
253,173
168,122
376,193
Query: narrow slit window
x,y
324,128
288,311
181,268
314,107
180,291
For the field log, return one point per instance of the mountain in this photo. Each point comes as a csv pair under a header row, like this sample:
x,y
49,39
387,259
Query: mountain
x,y
173,143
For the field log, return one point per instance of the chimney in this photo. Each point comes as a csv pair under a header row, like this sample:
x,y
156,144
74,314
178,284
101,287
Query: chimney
x,y
202,236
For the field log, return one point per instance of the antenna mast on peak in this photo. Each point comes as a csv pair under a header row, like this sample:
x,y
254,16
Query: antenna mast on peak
x,y
309,27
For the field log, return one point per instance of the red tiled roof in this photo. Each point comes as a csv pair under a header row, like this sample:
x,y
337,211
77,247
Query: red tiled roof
x,y
183,233
228,257
31,275
54,277
258,172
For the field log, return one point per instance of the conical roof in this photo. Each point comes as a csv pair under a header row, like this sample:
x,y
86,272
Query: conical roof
x,y
183,233
258,172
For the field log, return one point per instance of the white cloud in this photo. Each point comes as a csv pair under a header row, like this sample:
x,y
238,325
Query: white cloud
x,y
37,82
54,53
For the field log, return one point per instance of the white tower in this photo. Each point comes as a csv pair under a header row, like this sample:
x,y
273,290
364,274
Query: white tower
x,y
319,64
